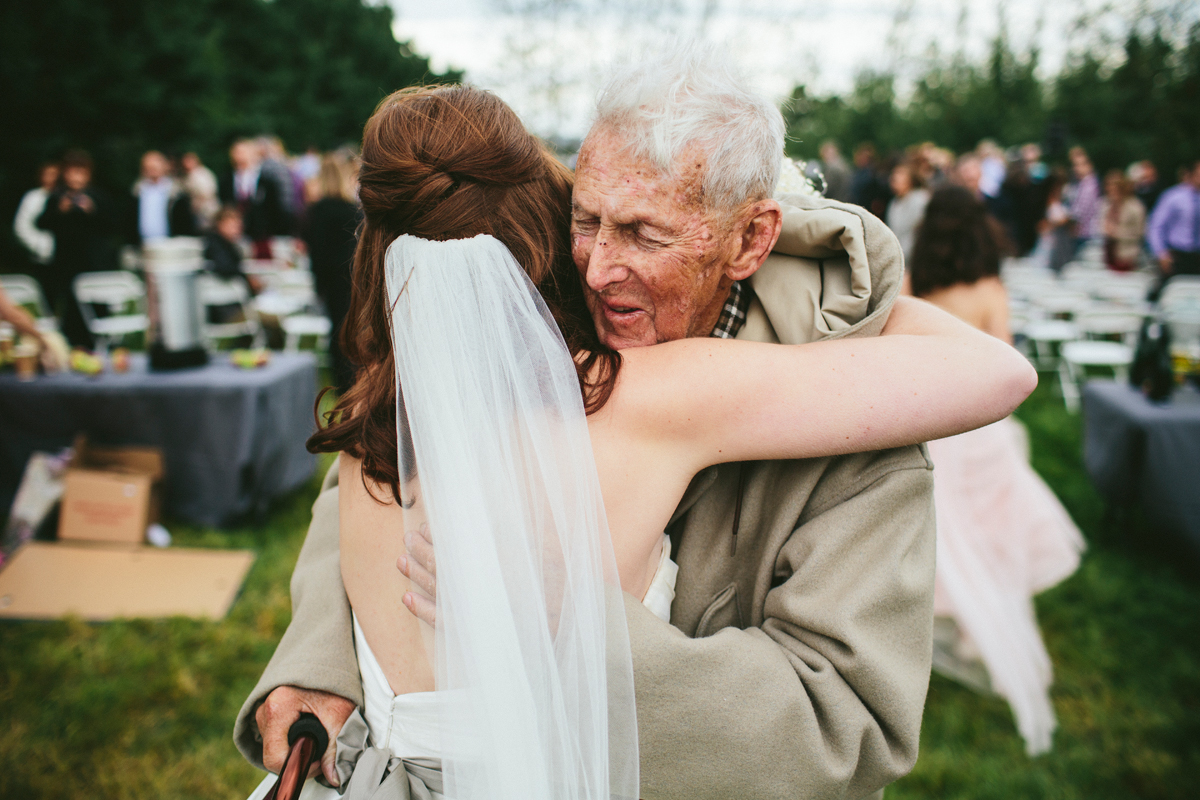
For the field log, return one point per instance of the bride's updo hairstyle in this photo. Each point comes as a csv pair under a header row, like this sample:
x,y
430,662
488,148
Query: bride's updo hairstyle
x,y
452,162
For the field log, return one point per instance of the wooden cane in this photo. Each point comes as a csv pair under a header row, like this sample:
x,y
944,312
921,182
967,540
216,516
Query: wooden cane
x,y
307,741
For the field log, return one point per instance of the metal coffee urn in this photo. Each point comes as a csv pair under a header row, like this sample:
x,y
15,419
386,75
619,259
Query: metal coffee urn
x,y
175,337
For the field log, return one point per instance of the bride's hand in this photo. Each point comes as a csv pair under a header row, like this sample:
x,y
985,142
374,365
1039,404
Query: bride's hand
x,y
420,567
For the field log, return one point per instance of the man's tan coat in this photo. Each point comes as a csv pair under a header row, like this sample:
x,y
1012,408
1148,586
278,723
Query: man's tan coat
x,y
798,654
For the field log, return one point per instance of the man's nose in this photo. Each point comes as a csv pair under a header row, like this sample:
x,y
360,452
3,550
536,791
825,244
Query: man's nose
x,y
606,265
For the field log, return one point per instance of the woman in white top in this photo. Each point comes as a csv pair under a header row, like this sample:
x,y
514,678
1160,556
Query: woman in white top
x,y
38,242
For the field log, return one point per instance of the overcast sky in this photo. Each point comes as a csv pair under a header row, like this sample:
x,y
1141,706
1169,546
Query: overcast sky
x,y
549,62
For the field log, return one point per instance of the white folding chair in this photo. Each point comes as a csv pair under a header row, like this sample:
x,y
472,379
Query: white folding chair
x,y
1060,302
1081,272
25,291
123,297
1043,336
1180,292
1100,323
1077,357
298,326
222,293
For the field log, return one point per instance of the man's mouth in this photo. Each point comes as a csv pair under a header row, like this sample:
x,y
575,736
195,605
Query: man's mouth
x,y
618,313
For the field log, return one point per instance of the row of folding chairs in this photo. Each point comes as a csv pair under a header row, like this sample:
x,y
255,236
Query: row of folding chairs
x,y
113,305
1088,317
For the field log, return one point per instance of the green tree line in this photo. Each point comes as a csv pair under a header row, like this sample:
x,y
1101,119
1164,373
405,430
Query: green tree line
x,y
119,77
1147,106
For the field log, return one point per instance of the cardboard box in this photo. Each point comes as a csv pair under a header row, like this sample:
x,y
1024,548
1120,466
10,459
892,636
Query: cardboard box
x,y
101,570
110,494
45,580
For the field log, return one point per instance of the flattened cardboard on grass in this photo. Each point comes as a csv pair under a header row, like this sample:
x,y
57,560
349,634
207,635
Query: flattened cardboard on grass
x,y
46,580
110,494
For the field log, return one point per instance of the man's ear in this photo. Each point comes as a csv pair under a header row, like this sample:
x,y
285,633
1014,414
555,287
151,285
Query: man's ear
x,y
757,228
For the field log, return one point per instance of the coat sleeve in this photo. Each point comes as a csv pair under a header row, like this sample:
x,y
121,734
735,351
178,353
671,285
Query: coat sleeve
x,y
317,650
824,700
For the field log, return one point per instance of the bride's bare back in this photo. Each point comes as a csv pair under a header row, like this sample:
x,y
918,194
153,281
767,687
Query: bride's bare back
x,y
682,406
982,304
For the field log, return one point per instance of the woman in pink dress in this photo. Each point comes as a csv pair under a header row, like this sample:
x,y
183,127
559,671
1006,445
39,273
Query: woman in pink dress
x,y
1002,535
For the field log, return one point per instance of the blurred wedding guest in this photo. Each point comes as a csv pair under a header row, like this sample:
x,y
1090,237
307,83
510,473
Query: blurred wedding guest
x,y
161,204
201,185
968,172
907,206
865,190
38,242
308,165
1057,228
223,247
1002,535
257,196
934,165
1024,200
1174,229
275,165
331,235
1122,221
992,167
1083,197
1144,176
836,172
82,221
1031,154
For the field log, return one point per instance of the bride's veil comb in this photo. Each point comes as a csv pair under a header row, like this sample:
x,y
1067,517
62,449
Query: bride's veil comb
x,y
531,647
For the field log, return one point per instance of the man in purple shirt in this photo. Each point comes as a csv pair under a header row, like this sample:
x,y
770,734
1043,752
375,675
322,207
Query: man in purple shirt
x,y
1174,229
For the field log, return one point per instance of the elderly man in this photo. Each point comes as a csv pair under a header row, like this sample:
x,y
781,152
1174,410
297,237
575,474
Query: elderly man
x,y
798,654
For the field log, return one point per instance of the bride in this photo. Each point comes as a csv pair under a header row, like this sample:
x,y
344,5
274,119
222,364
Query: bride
x,y
549,465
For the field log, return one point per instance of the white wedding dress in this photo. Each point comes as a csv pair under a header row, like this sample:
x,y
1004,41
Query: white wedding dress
x,y
531,655
407,724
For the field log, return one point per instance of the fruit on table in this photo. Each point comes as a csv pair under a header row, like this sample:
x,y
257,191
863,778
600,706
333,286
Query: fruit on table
x,y
249,359
86,363
120,359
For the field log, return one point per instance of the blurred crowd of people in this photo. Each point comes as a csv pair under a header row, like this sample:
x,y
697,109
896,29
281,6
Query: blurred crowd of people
x,y
1047,212
1002,535
69,226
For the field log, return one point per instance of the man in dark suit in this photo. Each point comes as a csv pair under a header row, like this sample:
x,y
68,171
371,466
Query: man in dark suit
x,y
82,221
257,196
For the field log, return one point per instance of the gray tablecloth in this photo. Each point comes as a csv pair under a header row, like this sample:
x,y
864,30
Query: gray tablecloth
x,y
1149,452
232,439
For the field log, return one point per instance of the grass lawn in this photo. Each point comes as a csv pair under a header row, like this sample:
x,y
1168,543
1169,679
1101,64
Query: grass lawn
x,y
140,708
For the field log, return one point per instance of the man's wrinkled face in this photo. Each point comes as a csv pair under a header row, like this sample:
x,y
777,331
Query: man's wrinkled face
x,y
651,256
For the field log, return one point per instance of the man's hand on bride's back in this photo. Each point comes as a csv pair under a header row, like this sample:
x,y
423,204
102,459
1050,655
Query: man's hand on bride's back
x,y
420,567
282,707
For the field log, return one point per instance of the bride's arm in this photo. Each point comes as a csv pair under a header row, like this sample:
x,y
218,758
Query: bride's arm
x,y
710,401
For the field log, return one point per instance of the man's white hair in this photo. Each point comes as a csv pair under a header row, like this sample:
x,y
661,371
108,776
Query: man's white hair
x,y
693,95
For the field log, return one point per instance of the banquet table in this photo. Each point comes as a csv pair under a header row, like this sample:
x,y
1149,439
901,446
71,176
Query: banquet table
x,y
232,439
1138,450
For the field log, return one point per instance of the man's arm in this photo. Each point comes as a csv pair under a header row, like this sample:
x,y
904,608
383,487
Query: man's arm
x,y
316,652
825,698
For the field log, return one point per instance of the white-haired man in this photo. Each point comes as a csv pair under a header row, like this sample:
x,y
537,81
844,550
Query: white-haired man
x,y
798,654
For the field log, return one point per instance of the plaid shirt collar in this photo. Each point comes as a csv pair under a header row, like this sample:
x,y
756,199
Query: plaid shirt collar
x,y
733,315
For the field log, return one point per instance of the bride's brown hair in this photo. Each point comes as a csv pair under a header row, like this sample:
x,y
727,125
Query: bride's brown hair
x,y
452,162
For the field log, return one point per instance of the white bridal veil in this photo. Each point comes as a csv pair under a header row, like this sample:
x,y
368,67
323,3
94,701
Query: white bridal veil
x,y
531,646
